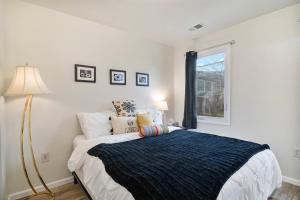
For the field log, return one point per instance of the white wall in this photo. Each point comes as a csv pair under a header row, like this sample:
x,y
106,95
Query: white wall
x,y
2,128
2,150
265,80
55,42
1,44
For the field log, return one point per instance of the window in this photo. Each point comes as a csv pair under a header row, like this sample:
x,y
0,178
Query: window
x,y
213,86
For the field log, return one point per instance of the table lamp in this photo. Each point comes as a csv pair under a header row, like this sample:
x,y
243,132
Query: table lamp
x,y
27,82
163,106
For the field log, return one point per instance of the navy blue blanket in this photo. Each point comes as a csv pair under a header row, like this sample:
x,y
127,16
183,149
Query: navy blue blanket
x,y
181,165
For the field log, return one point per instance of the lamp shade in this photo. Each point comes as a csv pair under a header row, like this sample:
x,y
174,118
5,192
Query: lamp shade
x,y
27,80
162,105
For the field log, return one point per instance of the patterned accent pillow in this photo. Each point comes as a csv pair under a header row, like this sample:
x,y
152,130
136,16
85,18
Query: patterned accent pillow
x,y
125,108
144,119
147,131
124,125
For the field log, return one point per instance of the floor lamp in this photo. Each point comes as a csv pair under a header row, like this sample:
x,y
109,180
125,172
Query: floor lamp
x,y
28,82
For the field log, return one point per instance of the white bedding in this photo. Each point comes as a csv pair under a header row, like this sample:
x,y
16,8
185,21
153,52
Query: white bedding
x,y
254,181
77,140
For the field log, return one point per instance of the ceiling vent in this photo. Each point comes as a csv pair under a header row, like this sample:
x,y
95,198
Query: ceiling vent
x,y
196,27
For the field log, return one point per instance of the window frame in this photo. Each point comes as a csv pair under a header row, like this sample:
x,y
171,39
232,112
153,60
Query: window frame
x,y
227,66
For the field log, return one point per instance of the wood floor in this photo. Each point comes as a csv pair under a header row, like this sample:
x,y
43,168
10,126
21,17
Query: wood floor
x,y
286,192
69,191
74,192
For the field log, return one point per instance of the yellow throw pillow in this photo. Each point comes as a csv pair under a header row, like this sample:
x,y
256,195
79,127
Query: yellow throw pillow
x,y
144,119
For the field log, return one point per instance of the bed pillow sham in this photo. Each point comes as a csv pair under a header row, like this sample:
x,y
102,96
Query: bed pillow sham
x,y
124,125
95,124
148,131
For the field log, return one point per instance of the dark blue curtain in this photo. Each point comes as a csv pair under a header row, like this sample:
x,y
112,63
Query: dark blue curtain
x,y
190,113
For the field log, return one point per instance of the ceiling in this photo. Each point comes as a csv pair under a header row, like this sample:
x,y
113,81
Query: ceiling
x,y
166,21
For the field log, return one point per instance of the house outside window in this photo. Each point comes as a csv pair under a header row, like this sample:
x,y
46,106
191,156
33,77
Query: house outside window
x,y
213,86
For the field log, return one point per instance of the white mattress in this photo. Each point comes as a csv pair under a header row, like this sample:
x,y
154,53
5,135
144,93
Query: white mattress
x,y
254,181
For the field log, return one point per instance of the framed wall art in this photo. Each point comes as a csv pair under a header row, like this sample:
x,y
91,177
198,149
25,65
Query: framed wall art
x,y
85,73
142,79
117,77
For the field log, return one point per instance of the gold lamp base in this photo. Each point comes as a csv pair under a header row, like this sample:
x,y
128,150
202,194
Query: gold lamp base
x,y
51,196
27,109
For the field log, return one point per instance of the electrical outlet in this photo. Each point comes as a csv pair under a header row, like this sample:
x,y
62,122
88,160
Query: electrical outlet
x,y
45,157
297,153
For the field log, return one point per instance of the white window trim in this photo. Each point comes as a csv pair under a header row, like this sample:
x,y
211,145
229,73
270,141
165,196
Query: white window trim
x,y
227,62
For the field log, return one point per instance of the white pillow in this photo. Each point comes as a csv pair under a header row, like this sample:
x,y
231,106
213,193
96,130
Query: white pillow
x,y
96,124
124,125
155,114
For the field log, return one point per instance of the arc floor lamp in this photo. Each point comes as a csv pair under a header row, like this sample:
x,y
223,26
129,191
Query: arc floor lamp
x,y
27,82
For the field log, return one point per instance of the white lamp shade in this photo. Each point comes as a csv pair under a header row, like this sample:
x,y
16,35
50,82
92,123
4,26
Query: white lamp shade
x,y
27,80
162,105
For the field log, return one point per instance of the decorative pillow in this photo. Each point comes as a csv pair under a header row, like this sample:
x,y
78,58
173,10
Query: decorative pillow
x,y
144,119
147,131
96,124
156,115
124,125
125,108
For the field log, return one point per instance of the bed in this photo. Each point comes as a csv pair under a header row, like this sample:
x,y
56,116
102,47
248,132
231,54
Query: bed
x,y
255,180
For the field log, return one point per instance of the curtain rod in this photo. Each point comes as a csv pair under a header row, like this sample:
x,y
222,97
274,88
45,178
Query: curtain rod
x,y
232,42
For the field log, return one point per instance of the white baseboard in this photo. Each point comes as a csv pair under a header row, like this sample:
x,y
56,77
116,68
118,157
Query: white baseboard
x,y
39,188
291,180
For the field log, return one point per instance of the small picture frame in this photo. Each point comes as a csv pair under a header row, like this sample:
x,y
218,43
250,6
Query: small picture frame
x,y
85,73
142,79
117,77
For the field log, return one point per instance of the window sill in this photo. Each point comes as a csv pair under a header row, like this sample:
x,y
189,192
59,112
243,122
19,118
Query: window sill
x,y
204,121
